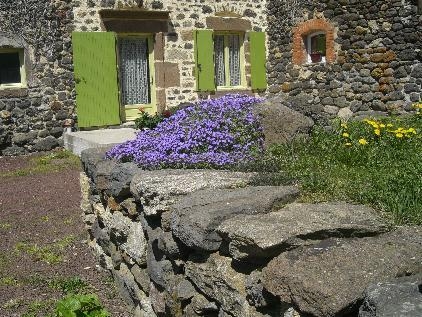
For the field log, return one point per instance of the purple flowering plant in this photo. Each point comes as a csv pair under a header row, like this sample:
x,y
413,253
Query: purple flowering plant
x,y
216,133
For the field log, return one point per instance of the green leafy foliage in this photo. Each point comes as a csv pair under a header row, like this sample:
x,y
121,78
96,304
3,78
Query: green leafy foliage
x,y
149,121
77,305
374,162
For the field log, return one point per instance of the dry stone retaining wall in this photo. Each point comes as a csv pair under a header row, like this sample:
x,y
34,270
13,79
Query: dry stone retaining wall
x,y
210,243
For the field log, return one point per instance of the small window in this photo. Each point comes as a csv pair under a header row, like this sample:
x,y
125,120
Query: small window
x,y
315,47
228,60
12,72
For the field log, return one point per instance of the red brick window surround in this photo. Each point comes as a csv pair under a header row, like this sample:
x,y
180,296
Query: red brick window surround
x,y
300,37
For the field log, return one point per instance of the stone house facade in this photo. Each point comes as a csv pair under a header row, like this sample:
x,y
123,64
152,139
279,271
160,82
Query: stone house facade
x,y
36,74
93,63
72,61
345,58
165,53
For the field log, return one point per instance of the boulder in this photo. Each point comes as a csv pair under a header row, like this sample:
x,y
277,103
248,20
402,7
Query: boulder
x,y
120,178
130,291
90,158
135,245
141,277
157,190
45,144
400,297
266,236
329,278
13,151
200,306
256,294
215,277
196,216
280,123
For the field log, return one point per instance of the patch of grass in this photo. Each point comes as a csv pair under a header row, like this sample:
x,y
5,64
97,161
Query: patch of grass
x,y
4,261
39,308
13,303
68,285
5,225
52,162
51,254
8,281
372,162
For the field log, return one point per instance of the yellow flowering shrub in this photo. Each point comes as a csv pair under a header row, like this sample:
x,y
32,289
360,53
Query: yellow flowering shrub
x,y
371,130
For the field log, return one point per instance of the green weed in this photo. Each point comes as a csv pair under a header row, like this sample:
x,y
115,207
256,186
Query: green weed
x,y
39,308
51,254
5,225
374,162
68,285
8,281
52,162
81,305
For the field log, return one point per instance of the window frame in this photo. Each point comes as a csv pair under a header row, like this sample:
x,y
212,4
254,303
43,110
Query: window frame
x,y
132,111
242,65
21,54
308,47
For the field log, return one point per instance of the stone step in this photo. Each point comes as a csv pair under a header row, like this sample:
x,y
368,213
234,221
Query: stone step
x,y
78,141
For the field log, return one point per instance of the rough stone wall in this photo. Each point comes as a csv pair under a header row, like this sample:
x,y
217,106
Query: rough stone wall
x,y
178,57
377,65
31,118
211,243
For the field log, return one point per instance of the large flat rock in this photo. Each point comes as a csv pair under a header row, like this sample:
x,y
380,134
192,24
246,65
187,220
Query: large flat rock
x,y
196,216
400,297
266,236
159,189
329,278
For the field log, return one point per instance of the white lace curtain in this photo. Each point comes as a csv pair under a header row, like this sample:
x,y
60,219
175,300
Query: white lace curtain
x,y
232,42
134,71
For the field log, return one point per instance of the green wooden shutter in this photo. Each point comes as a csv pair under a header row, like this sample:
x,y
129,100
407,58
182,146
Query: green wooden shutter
x,y
97,93
204,61
258,60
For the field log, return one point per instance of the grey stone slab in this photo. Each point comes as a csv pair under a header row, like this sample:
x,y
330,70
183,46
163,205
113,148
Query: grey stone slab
x,y
401,297
266,236
157,190
328,279
196,216
82,140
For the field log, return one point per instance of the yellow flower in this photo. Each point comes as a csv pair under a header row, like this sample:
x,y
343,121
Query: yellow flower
x,y
348,144
344,125
389,125
382,125
377,131
411,130
399,135
345,135
363,141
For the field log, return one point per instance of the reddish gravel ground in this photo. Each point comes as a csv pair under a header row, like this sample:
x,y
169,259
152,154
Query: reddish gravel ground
x,y
43,250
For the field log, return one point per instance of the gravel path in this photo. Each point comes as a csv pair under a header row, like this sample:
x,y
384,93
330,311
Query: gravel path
x,y
43,250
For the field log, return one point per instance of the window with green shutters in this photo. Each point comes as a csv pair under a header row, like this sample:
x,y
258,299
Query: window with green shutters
x,y
225,68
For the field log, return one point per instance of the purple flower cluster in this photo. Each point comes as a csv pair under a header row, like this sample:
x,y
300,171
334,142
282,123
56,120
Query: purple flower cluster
x,y
210,133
